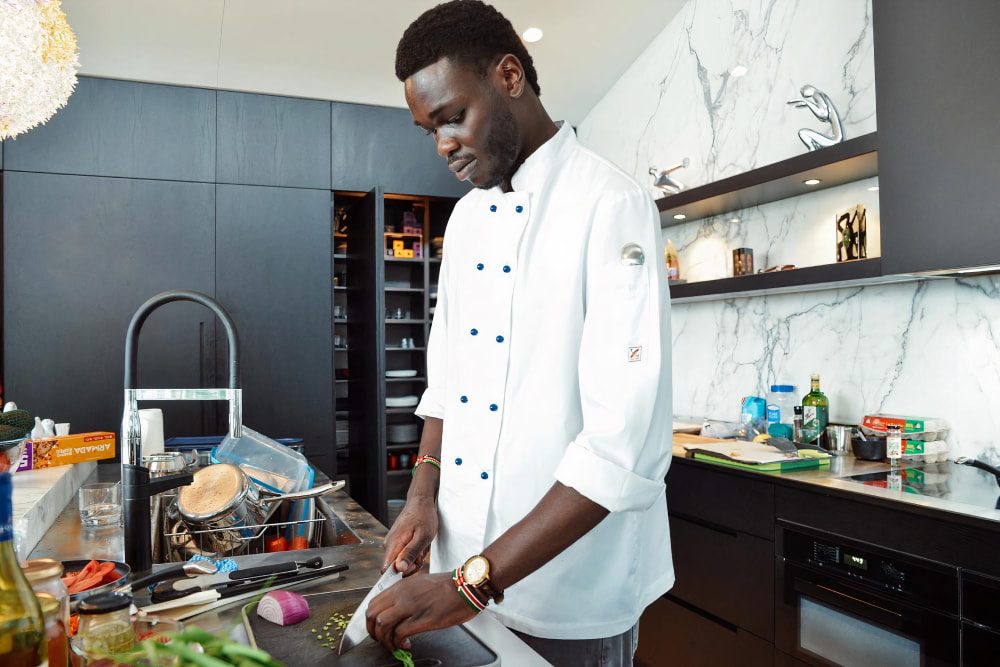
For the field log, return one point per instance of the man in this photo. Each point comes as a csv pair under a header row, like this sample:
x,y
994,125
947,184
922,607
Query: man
x,y
548,421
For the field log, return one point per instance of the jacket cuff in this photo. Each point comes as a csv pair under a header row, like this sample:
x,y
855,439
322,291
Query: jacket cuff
x,y
431,405
610,486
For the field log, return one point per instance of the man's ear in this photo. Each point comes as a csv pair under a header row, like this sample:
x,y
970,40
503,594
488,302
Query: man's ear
x,y
509,75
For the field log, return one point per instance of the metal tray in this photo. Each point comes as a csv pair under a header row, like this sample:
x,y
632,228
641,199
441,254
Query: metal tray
x,y
297,644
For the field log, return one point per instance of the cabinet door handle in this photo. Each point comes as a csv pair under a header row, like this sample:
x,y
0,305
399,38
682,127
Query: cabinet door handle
x,y
847,602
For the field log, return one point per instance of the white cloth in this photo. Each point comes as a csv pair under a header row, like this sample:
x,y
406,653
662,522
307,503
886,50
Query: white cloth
x,y
549,360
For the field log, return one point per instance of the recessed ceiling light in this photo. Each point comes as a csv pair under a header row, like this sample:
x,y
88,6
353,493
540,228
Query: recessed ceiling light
x,y
679,216
532,34
738,71
812,181
873,188
734,219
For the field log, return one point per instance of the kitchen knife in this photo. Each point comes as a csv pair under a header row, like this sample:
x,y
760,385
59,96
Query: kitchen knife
x,y
357,629
207,581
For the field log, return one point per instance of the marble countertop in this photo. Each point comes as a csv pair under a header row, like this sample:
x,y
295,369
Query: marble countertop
x,y
39,498
831,478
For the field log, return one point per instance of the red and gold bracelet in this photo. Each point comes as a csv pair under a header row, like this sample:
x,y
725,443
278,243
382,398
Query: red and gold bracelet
x,y
425,459
464,591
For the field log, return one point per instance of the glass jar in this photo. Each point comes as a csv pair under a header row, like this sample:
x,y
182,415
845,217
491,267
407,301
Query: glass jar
x,y
105,625
55,630
44,575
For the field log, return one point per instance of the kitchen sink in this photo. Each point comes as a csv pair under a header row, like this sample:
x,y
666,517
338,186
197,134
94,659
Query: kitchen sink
x,y
328,526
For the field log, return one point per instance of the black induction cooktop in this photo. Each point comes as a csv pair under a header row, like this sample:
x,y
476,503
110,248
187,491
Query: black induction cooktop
x,y
944,479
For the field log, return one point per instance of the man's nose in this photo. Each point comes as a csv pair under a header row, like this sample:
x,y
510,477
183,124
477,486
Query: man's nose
x,y
446,143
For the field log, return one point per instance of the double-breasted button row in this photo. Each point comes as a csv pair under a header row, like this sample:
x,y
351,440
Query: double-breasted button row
x,y
517,209
483,475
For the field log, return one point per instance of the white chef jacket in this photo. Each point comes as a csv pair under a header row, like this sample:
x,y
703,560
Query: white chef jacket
x,y
549,359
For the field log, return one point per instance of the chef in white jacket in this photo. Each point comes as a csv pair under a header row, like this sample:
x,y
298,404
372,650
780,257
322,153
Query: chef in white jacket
x,y
547,433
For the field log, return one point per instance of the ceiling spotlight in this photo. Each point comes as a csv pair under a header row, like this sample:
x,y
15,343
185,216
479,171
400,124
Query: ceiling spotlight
x,y
873,188
734,219
812,181
532,35
738,71
679,216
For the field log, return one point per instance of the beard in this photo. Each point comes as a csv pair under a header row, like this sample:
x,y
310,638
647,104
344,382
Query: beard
x,y
501,144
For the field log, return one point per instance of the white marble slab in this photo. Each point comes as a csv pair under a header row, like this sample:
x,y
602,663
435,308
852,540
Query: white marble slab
x,y
39,497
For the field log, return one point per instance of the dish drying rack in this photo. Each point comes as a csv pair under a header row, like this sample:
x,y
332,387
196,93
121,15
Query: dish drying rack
x,y
178,544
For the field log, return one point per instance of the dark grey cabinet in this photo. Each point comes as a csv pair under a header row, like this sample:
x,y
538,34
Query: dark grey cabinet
x,y
273,275
269,140
126,129
381,146
80,255
934,64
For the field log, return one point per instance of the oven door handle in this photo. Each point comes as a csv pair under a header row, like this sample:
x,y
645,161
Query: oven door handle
x,y
886,617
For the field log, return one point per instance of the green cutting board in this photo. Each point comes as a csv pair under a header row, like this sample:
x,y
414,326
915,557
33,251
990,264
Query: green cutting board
x,y
776,466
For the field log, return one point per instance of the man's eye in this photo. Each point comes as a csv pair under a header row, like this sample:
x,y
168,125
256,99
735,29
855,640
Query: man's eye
x,y
455,119
430,132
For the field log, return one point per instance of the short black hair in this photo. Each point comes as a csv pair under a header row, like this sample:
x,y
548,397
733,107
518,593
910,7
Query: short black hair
x,y
468,32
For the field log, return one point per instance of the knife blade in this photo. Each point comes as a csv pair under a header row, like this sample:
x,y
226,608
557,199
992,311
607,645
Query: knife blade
x,y
207,581
357,628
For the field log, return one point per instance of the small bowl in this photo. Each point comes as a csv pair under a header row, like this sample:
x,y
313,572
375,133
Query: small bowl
x,y
10,455
872,449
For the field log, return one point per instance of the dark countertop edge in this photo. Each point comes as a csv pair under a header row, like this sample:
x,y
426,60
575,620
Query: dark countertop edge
x,y
926,506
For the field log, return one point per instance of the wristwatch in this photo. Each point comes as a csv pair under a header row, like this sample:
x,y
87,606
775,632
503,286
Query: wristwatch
x,y
476,573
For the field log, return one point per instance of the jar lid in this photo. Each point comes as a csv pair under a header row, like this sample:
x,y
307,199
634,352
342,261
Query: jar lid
x,y
102,603
48,603
40,569
782,387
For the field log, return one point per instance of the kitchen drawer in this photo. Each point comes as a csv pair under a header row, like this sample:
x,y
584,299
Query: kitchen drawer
x,y
980,647
980,597
672,633
720,497
727,574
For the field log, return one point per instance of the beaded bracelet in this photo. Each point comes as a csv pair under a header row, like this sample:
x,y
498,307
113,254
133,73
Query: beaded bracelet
x,y
464,591
425,459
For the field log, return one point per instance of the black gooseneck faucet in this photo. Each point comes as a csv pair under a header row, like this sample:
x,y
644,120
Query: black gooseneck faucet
x,y
137,488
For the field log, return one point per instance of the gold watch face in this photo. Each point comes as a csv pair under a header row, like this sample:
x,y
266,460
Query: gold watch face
x,y
475,570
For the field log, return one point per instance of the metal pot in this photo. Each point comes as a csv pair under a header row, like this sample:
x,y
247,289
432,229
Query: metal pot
x,y
226,509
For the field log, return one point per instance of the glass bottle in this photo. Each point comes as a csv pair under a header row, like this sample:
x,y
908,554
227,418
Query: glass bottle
x,y
55,631
44,575
105,625
22,628
894,444
815,412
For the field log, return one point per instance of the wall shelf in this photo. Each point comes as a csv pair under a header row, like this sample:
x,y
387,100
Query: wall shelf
x,y
846,162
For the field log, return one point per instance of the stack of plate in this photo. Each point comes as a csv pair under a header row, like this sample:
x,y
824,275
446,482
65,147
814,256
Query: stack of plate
x,y
342,433
401,433
401,401
409,373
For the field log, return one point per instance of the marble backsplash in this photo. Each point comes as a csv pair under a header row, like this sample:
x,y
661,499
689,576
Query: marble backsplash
x,y
925,348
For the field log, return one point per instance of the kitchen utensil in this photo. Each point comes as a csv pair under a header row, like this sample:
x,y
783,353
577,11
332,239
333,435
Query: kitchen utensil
x,y
225,578
121,569
296,644
164,463
238,590
966,461
227,508
191,568
356,629
868,449
839,439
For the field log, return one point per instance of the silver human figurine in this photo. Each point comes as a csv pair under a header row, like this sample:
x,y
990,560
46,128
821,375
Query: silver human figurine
x,y
822,107
665,181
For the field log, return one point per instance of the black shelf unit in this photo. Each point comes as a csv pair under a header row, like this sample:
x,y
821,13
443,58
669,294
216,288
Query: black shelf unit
x,y
389,300
846,162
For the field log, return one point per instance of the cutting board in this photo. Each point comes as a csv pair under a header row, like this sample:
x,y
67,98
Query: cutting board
x,y
743,454
296,645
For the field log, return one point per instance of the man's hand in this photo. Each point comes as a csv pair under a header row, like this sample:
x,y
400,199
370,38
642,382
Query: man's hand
x,y
410,536
416,604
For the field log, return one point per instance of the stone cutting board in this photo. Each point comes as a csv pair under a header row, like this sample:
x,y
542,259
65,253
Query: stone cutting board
x,y
297,645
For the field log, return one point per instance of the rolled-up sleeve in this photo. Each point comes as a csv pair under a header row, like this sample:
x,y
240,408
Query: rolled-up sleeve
x,y
620,457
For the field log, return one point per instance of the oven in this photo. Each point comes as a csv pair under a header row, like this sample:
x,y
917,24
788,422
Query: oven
x,y
840,602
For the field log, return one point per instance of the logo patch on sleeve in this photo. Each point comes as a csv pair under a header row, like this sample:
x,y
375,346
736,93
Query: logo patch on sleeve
x,y
635,353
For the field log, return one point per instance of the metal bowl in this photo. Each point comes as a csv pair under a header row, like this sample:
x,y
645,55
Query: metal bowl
x,y
10,454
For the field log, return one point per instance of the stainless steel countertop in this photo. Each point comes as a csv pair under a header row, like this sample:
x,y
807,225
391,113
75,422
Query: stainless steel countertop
x,y
831,478
67,539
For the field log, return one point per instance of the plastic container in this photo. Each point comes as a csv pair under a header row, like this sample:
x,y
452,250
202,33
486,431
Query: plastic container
x,y
197,448
780,407
267,462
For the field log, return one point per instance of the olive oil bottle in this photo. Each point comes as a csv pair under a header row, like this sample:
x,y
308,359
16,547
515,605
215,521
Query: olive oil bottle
x,y
815,412
22,629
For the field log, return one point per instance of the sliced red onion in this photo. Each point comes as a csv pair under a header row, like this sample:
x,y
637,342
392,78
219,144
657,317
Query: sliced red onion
x,y
283,607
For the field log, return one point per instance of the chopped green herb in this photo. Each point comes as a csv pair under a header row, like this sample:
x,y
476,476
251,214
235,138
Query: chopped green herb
x,y
404,657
